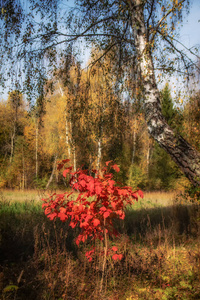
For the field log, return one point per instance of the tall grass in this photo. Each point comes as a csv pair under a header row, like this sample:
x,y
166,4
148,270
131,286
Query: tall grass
x,y
159,241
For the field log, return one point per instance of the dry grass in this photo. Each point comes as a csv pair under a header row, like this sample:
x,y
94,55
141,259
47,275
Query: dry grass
x,y
150,198
160,198
159,241
21,196
25,195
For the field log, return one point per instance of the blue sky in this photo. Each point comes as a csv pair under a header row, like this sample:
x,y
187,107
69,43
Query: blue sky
x,y
190,31
189,35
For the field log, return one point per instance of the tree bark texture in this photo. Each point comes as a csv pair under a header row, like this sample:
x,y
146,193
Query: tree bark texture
x,y
184,155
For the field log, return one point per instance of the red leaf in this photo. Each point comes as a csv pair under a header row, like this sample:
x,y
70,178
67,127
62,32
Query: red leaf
x,y
108,162
140,193
116,168
135,196
114,204
89,254
119,212
103,208
88,217
63,217
52,216
122,192
89,258
45,204
92,205
98,189
82,183
122,216
65,160
59,166
106,214
111,183
90,186
81,207
63,210
114,248
117,256
72,224
84,225
96,222
66,171
75,185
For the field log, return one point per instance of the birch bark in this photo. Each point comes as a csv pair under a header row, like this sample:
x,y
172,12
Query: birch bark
x,y
185,156
52,173
36,146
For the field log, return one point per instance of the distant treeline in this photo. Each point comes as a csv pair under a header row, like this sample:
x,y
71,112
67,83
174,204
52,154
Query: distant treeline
x,y
89,123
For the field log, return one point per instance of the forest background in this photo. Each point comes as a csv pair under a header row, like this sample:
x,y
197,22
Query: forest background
x,y
91,116
85,120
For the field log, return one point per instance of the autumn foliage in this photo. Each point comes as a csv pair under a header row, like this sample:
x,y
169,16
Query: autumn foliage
x,y
99,201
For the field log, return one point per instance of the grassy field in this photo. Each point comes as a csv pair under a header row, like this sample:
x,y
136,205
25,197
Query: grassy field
x,y
159,239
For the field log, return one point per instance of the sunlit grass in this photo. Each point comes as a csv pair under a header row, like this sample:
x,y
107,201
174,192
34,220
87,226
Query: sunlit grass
x,y
159,240
159,198
150,198
21,196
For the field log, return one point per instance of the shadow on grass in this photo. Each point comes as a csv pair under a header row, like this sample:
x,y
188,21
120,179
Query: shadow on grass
x,y
19,221
28,240
181,219
18,225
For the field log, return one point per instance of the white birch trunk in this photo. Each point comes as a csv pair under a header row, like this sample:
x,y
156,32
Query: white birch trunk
x,y
52,173
134,142
185,156
74,157
23,166
148,157
99,154
67,136
36,147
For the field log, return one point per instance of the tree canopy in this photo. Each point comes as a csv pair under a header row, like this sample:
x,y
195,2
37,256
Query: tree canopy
x,y
40,36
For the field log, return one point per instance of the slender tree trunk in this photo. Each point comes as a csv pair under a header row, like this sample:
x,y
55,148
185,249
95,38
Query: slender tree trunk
x,y
36,147
66,127
148,157
23,165
74,156
67,137
12,143
52,173
61,90
99,153
15,126
134,142
185,156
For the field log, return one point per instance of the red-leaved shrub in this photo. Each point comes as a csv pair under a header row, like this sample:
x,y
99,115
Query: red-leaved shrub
x,y
98,202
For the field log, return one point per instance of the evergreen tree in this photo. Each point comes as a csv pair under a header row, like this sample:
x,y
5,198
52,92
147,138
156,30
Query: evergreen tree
x,y
167,105
163,171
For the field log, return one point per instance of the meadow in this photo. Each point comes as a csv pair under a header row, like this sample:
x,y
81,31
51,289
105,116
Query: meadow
x,y
159,239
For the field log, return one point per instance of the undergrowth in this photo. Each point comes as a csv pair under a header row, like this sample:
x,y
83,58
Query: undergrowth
x,y
160,246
